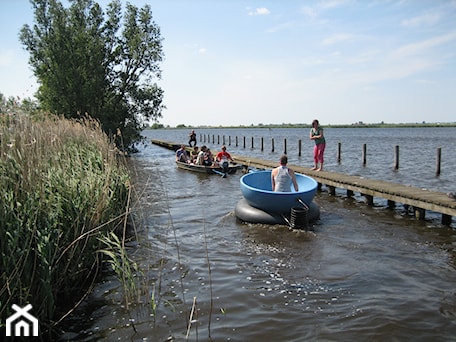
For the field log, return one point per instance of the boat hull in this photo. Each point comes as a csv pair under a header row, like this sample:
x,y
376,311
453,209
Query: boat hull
x,y
256,187
207,169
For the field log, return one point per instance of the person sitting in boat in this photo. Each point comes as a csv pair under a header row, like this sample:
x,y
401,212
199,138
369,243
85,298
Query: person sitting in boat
x,y
282,177
194,154
208,157
223,157
200,157
181,155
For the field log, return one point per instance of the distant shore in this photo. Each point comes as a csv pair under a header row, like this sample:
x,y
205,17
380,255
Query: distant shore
x,y
302,125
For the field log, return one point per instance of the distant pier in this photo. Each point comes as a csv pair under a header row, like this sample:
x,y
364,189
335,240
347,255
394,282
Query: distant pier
x,y
419,200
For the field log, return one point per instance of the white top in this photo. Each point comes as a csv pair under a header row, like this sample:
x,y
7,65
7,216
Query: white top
x,y
283,180
200,158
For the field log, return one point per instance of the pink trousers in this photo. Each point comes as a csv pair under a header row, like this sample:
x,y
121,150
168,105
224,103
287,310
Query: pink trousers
x,y
319,150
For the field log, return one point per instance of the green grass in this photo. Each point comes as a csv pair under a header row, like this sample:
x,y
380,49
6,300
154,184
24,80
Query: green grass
x,y
64,188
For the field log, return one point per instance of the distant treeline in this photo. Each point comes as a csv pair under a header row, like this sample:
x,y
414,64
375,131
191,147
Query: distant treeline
x,y
302,125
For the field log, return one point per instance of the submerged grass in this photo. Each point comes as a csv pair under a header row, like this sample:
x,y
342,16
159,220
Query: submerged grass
x,y
64,189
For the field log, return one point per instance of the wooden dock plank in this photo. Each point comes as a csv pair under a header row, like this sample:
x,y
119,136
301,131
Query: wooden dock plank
x,y
407,195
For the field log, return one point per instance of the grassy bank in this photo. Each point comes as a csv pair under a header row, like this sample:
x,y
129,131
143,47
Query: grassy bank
x,y
63,190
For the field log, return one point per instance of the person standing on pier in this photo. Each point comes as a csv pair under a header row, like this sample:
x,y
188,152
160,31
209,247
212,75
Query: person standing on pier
x,y
282,177
192,138
316,134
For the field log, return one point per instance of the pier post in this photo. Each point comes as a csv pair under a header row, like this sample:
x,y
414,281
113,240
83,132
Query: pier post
x,y
244,141
439,159
272,142
285,146
236,141
299,147
364,157
252,142
369,199
396,157
262,144
446,219
218,139
213,138
339,151
419,213
229,140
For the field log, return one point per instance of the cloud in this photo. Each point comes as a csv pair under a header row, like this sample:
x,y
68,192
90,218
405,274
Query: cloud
x,y
284,26
427,19
415,48
309,12
325,5
337,38
259,11
330,4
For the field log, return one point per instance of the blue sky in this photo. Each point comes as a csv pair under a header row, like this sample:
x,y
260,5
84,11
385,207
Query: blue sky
x,y
239,62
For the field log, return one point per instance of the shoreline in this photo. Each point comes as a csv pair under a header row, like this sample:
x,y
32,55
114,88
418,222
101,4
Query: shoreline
x,y
356,125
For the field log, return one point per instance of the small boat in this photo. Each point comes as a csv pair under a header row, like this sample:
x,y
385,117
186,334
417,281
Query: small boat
x,y
256,187
222,171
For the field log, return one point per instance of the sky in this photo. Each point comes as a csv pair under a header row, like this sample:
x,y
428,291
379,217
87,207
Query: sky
x,y
241,62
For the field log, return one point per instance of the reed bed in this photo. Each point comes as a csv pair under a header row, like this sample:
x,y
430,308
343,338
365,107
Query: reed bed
x,y
64,189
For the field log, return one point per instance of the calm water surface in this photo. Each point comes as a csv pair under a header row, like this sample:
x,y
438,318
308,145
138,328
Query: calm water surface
x,y
363,273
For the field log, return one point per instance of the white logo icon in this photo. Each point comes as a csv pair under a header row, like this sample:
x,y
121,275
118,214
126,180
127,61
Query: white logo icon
x,y
24,319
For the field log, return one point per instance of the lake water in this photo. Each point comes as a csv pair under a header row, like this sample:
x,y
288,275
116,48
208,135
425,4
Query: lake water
x,y
363,273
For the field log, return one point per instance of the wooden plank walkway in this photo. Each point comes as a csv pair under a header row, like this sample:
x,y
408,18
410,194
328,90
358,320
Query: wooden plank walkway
x,y
418,199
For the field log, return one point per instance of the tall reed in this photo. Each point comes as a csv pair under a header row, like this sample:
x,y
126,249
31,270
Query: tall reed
x,y
63,188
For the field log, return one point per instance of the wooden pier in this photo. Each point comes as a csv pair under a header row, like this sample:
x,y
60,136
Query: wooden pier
x,y
418,199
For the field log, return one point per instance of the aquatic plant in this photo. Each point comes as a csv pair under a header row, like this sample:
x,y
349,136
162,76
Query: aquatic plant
x,y
64,186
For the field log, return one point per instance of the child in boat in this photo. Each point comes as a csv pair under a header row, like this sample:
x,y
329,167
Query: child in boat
x,y
208,157
200,157
194,154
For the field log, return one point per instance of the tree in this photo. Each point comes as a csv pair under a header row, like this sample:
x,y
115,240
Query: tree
x,y
90,62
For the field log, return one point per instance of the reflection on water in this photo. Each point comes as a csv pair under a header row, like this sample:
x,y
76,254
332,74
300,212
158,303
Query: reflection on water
x,y
363,273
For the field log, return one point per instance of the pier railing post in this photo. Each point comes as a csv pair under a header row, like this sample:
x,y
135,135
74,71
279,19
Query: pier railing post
x,y
252,142
339,152
439,159
285,146
299,147
262,144
396,157
244,141
364,156
272,144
